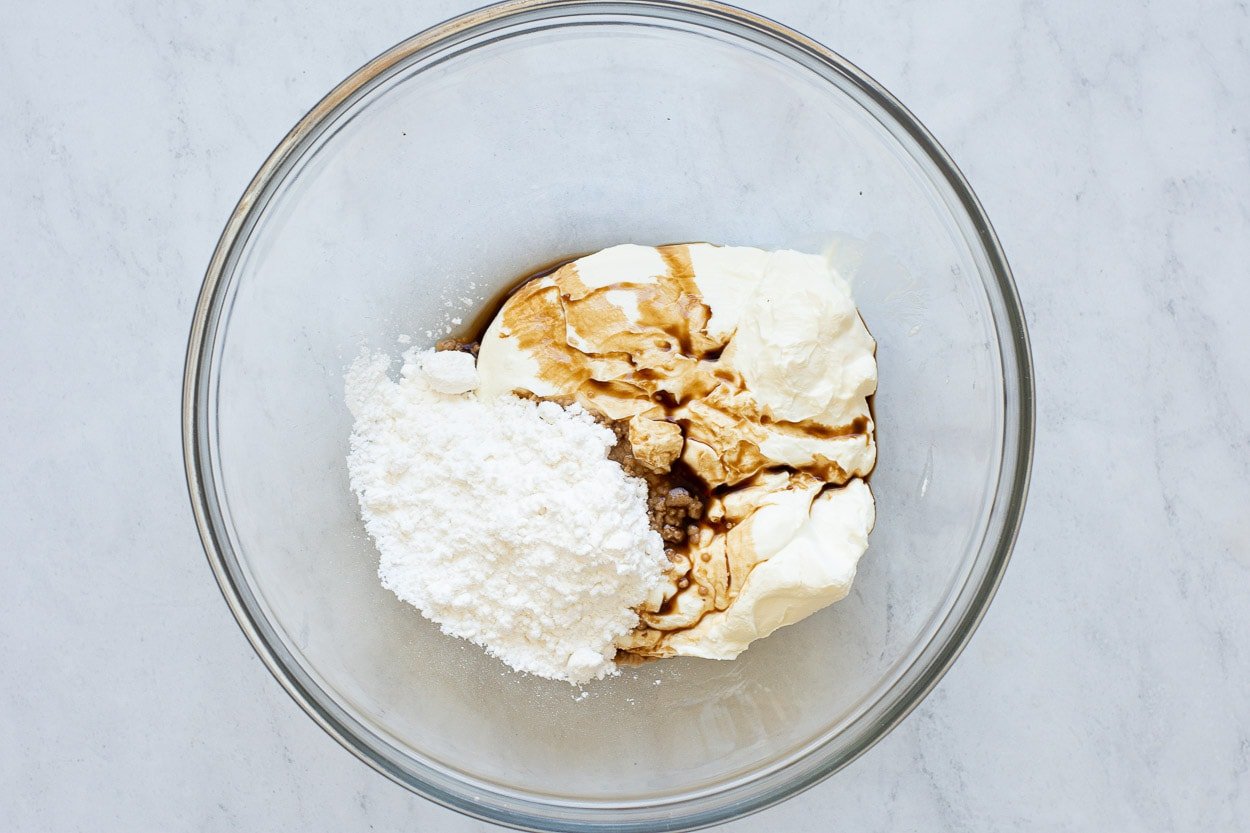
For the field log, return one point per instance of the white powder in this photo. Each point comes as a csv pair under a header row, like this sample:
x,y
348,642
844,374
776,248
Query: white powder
x,y
503,521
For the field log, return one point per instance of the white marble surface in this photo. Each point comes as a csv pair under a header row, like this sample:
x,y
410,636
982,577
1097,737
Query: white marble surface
x,y
1107,687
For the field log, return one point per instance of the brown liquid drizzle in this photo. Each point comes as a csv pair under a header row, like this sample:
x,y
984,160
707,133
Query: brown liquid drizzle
x,y
859,425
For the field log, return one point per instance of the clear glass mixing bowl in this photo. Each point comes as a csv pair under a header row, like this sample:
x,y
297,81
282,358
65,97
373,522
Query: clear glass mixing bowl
x,y
528,132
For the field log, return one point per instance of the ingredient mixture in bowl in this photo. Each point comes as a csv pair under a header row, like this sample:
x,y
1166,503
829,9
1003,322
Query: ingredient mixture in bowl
x,y
652,452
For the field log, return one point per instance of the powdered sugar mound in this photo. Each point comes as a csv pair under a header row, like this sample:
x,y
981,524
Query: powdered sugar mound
x,y
450,371
503,521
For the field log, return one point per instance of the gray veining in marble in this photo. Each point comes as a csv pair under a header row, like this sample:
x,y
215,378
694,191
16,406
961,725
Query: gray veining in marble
x,y
1108,686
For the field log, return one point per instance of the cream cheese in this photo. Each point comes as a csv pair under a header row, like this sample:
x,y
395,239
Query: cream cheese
x,y
763,361
812,561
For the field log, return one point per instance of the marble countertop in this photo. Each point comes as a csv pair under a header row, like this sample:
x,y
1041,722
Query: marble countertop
x,y
1106,688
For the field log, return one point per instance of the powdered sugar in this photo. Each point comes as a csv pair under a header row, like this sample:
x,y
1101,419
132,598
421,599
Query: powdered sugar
x,y
503,521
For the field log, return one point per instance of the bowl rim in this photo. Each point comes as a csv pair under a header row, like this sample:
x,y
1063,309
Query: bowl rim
x,y
532,813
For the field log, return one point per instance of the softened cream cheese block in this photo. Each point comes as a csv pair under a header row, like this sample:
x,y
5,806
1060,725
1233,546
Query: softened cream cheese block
x,y
811,570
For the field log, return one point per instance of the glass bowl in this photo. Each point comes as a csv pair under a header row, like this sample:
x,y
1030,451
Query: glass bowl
x,y
529,132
